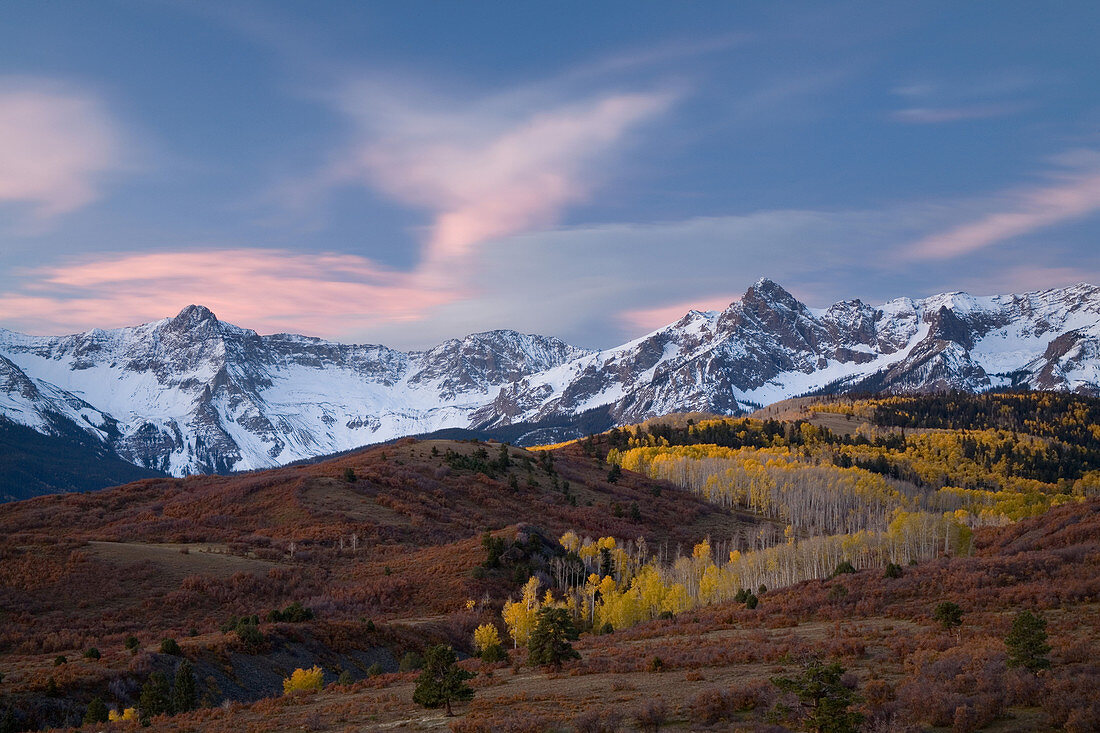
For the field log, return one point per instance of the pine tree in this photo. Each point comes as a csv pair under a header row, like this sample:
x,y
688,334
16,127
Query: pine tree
x,y
184,695
96,712
1027,642
442,680
949,616
824,696
549,642
156,696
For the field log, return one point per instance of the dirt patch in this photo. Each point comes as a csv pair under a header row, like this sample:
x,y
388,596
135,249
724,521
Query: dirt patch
x,y
176,561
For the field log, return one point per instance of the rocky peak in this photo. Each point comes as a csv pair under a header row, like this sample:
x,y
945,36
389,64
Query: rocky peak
x,y
192,317
765,293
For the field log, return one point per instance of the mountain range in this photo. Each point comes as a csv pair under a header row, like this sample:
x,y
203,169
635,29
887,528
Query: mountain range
x,y
193,394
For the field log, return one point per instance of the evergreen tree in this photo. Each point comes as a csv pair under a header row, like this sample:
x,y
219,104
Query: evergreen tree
x,y
949,616
442,680
184,694
156,696
549,642
824,697
614,474
96,712
1027,642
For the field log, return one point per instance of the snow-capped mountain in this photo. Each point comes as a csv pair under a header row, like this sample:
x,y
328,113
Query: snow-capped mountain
x,y
193,394
768,346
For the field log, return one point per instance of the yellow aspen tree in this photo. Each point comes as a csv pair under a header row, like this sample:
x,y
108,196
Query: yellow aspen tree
x,y
486,636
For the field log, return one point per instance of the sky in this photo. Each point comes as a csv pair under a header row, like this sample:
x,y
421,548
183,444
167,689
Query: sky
x,y
407,172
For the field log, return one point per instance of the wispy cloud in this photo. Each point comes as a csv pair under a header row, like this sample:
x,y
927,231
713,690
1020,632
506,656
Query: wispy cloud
x,y
266,289
1070,195
57,145
497,167
937,115
928,103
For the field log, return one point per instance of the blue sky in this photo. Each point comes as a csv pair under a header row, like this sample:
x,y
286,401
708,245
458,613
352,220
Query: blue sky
x,y
408,172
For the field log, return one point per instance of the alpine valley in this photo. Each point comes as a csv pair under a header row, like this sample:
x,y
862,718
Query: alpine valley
x,y
192,394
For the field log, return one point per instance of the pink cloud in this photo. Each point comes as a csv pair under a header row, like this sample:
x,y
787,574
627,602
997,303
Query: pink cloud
x,y
650,319
265,289
490,169
1075,195
55,147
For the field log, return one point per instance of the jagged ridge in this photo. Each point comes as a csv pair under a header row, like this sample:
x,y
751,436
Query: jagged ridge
x,y
194,394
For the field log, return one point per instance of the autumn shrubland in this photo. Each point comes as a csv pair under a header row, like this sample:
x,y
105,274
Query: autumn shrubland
x,y
699,560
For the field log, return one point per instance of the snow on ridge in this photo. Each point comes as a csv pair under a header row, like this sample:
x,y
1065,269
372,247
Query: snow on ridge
x,y
214,395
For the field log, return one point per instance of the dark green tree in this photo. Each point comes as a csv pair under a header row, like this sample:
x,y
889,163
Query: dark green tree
x,y
170,646
1027,642
184,694
614,474
132,644
823,696
156,696
843,567
249,634
96,712
949,616
349,475
442,680
549,641
92,653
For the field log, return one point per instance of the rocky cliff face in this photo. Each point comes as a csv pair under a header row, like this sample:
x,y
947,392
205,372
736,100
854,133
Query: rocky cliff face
x,y
194,394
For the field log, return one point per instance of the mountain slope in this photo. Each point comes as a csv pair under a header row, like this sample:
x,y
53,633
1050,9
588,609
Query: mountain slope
x,y
192,394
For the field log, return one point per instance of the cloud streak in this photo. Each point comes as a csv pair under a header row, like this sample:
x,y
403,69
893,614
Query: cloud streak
x,y
1071,195
57,145
266,289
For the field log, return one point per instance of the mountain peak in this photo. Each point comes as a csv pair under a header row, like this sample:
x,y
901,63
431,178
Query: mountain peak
x,y
769,291
193,316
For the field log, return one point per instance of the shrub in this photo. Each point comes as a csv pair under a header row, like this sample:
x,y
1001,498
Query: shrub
x,y
302,680
656,665
59,660
92,653
131,643
249,634
410,662
374,670
652,714
893,570
345,678
169,646
843,567
349,475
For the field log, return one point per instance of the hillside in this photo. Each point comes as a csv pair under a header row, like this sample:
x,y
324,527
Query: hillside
x,y
716,663
655,538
